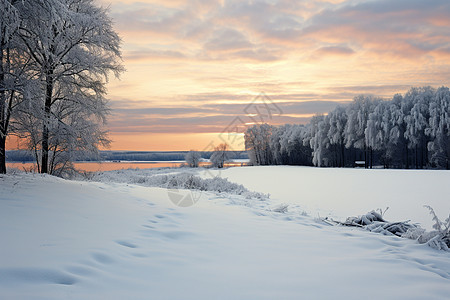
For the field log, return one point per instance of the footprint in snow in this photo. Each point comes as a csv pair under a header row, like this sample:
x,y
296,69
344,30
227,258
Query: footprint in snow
x,y
102,258
35,275
80,270
126,244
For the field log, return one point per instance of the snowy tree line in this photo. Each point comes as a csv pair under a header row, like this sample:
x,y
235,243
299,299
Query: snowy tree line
x,y
409,131
55,56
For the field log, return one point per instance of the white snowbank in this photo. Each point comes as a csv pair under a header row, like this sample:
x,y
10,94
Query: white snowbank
x,y
341,193
89,240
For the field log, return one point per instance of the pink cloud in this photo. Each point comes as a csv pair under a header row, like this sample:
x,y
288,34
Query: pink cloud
x,y
214,52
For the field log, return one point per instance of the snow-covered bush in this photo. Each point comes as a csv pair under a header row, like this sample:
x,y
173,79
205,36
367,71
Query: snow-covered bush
x,y
215,184
166,178
373,221
440,237
282,209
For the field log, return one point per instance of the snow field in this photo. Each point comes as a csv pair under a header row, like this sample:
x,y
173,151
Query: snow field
x,y
104,240
341,193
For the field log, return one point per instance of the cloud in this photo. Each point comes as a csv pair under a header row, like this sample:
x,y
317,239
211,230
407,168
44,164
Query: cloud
x,y
227,39
371,89
196,63
403,28
310,107
151,54
212,117
161,111
150,17
331,51
400,28
335,50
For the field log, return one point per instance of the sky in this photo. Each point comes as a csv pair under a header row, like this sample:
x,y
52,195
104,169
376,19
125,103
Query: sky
x,y
198,72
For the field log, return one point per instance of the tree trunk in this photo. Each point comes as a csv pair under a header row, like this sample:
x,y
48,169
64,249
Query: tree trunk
x,y
45,129
407,157
2,114
2,154
425,154
365,157
5,106
371,157
4,123
417,158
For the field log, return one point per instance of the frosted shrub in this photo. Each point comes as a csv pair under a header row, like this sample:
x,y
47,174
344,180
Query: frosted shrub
x,y
216,184
366,219
282,209
440,237
183,180
192,158
373,221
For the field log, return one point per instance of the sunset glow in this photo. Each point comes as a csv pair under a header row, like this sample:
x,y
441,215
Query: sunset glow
x,y
193,66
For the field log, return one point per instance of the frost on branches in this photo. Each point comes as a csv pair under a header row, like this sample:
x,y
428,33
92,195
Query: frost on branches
x,y
70,48
410,131
192,158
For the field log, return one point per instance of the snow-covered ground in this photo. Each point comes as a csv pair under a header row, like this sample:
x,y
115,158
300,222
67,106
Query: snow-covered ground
x,y
64,239
340,193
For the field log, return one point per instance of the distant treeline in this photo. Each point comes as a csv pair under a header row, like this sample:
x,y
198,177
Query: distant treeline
x,y
141,156
410,131
27,156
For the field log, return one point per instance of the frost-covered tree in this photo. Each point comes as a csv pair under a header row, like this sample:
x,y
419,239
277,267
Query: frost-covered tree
x,y
257,144
275,145
394,127
73,47
319,141
336,134
12,67
410,130
192,158
292,149
358,115
220,155
417,122
380,132
438,128
285,144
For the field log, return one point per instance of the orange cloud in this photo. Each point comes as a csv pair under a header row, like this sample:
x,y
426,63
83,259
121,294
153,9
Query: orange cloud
x,y
193,65
170,141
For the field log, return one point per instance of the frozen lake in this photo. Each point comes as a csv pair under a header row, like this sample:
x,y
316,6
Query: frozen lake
x,y
119,165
